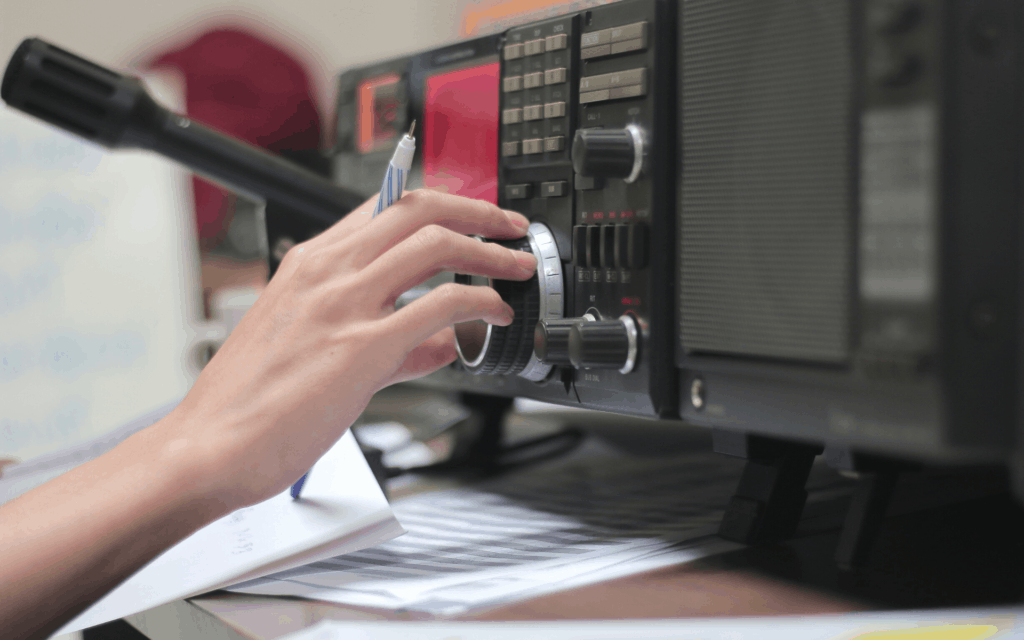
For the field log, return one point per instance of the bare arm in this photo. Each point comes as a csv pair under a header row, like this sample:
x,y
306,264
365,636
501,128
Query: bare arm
x,y
297,371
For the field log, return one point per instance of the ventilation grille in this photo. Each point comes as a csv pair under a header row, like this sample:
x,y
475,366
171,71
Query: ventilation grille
x,y
766,191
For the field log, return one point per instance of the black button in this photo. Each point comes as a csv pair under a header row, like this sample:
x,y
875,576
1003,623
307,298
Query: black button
x,y
637,246
579,245
552,189
607,246
621,245
593,246
517,191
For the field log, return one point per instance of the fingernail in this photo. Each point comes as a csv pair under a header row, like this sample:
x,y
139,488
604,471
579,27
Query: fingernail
x,y
518,220
508,314
526,261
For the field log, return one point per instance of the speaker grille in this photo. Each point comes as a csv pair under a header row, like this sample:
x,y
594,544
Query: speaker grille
x,y
766,193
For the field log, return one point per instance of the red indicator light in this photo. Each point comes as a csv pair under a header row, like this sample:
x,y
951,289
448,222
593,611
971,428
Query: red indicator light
x,y
598,215
626,214
611,215
631,302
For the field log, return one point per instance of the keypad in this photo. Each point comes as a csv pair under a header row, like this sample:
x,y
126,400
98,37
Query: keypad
x,y
613,41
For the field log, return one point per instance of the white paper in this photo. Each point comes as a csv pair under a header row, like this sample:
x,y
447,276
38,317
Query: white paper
x,y
962,624
342,509
528,534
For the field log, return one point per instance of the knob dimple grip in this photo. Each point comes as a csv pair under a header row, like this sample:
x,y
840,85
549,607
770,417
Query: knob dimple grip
x,y
603,153
604,344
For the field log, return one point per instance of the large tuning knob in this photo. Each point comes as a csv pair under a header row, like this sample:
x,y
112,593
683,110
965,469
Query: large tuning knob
x,y
604,344
494,350
609,153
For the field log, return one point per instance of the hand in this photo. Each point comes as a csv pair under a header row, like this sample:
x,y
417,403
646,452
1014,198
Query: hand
x,y
324,337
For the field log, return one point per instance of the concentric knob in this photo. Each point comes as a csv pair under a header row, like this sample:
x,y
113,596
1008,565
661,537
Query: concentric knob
x,y
604,344
489,349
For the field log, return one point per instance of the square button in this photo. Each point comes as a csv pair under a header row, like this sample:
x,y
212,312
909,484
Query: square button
x,y
511,116
534,145
556,42
554,76
596,52
533,80
533,112
554,110
554,143
510,148
513,83
513,51
554,189
517,191
534,47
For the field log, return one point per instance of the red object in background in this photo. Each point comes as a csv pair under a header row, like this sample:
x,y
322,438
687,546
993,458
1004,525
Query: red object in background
x,y
460,132
244,85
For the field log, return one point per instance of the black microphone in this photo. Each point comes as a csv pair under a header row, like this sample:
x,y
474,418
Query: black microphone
x,y
115,111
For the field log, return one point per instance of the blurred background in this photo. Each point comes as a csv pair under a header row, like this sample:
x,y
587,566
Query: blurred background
x,y
119,272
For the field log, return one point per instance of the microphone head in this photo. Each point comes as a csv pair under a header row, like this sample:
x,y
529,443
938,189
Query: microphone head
x,y
72,93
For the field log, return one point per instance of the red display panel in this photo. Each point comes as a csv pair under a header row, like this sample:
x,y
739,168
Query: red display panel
x,y
379,108
460,132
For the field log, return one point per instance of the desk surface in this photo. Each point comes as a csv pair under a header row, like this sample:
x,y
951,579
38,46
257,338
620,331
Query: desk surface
x,y
963,555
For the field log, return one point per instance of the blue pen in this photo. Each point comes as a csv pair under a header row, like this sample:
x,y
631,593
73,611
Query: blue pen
x,y
390,193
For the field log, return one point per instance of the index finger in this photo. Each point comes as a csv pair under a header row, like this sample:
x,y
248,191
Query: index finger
x,y
424,207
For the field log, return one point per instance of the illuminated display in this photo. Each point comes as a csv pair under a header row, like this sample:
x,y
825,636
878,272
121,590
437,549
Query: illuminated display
x,y
460,132
379,108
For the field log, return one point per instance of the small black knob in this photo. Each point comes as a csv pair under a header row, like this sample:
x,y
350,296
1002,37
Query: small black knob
x,y
604,344
608,153
551,340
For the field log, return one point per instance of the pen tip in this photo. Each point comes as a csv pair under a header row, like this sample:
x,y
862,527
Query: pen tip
x,y
412,128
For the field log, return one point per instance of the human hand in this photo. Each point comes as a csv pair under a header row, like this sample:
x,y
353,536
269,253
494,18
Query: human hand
x,y
324,337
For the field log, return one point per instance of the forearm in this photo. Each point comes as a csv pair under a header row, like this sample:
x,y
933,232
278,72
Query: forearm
x,y
67,543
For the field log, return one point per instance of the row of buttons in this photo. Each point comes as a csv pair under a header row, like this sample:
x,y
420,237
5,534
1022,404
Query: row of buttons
x,y
536,47
554,189
631,83
610,245
533,145
533,112
607,42
534,80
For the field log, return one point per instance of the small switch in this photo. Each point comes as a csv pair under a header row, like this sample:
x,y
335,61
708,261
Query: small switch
x,y
637,246
554,189
607,246
517,191
556,42
579,245
510,148
554,110
593,246
621,245
534,47
533,80
513,51
535,145
511,116
555,143
533,112
512,83
554,76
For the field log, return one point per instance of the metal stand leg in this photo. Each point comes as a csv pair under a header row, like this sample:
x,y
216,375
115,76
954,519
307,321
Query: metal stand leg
x,y
771,493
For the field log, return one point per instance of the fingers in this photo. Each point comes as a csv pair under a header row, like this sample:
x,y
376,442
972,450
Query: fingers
x,y
423,207
444,306
433,249
434,353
